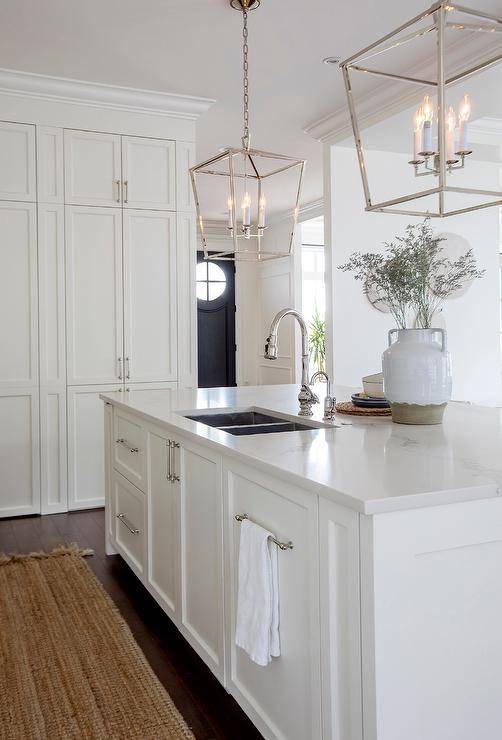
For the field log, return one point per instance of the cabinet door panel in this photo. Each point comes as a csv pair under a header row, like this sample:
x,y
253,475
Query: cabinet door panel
x,y
186,238
149,173
163,526
185,158
19,453
283,698
150,296
50,165
18,295
92,168
51,289
53,450
17,162
86,457
201,553
94,295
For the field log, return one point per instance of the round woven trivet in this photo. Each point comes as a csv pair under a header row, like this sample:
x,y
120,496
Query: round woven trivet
x,y
347,407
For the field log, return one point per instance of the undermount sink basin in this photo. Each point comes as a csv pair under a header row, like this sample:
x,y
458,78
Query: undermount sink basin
x,y
250,422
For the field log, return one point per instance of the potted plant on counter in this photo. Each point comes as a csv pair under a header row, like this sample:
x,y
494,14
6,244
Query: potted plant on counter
x,y
413,278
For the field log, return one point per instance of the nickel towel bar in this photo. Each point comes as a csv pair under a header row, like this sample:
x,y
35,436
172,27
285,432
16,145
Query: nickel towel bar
x,y
280,545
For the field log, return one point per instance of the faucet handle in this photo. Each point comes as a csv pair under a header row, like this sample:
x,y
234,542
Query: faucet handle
x,y
307,398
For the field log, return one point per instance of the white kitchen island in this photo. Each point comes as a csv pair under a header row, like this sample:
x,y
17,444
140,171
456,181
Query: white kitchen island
x,y
391,598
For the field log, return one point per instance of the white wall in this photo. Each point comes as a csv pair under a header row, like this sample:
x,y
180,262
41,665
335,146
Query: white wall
x,y
359,332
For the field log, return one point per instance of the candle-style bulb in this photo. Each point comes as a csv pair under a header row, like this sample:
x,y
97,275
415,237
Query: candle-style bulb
x,y
230,205
464,115
451,124
418,123
262,204
428,112
419,120
246,210
465,109
427,109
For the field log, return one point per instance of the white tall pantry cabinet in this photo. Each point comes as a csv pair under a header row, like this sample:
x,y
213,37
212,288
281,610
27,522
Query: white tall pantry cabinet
x,y
97,261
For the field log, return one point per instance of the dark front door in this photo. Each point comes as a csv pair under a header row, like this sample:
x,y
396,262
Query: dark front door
x,y
216,322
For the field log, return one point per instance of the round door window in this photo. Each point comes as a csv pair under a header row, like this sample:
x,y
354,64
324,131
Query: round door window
x,y
211,281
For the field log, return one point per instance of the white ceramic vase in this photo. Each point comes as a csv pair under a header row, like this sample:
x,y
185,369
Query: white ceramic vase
x,y
417,375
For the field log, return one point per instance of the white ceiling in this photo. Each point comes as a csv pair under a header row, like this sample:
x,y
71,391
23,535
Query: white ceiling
x,y
194,47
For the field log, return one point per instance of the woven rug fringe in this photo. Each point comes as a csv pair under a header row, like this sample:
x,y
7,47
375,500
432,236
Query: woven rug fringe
x,y
71,549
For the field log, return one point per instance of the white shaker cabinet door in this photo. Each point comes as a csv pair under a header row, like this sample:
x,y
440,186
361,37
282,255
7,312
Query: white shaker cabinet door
x,y
19,452
201,569
149,173
53,457
17,162
51,290
18,295
282,698
94,312
92,168
86,446
150,327
163,525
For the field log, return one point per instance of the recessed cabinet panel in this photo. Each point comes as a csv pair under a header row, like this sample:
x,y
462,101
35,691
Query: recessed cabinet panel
x,y
50,179
18,295
17,162
149,173
201,552
92,168
94,295
86,458
163,526
19,453
185,158
186,238
130,522
51,289
285,695
150,329
53,450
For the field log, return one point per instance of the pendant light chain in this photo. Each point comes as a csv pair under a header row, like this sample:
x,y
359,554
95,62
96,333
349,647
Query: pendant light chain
x,y
246,142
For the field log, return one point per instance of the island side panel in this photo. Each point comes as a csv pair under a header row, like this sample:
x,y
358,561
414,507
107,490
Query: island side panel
x,y
432,615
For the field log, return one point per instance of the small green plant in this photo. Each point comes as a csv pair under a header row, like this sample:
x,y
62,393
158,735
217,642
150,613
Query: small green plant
x,y
317,340
412,276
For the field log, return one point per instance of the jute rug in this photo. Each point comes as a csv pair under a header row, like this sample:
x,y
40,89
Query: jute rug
x,y
70,668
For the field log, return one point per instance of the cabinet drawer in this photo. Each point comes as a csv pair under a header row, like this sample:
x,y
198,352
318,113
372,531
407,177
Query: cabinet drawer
x,y
130,522
129,448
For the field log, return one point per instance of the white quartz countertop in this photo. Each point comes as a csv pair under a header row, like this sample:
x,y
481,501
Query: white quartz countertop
x,y
371,465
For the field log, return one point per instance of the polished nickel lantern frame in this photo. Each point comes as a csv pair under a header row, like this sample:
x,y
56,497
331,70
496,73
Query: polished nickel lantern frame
x,y
248,168
441,167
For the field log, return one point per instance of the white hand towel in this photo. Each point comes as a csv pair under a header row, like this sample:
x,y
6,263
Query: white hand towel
x,y
257,630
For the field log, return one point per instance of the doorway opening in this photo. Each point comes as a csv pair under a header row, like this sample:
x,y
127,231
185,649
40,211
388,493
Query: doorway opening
x,y
215,322
314,289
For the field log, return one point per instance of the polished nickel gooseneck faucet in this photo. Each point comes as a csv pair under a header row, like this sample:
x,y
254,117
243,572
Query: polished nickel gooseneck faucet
x,y
306,396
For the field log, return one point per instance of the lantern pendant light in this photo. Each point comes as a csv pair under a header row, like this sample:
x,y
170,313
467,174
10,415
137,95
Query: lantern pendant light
x,y
449,33
246,185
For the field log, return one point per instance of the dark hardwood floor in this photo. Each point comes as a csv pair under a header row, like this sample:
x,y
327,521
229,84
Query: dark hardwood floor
x,y
210,712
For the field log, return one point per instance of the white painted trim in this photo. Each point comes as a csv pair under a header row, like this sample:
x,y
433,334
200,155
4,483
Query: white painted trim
x,y
99,95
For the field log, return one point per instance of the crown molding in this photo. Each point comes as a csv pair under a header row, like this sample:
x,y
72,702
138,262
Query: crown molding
x,y
311,210
388,99
127,99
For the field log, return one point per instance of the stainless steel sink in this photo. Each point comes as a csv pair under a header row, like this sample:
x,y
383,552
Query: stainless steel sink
x,y
251,421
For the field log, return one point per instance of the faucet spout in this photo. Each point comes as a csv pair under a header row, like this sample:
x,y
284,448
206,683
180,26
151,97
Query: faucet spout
x,y
306,397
